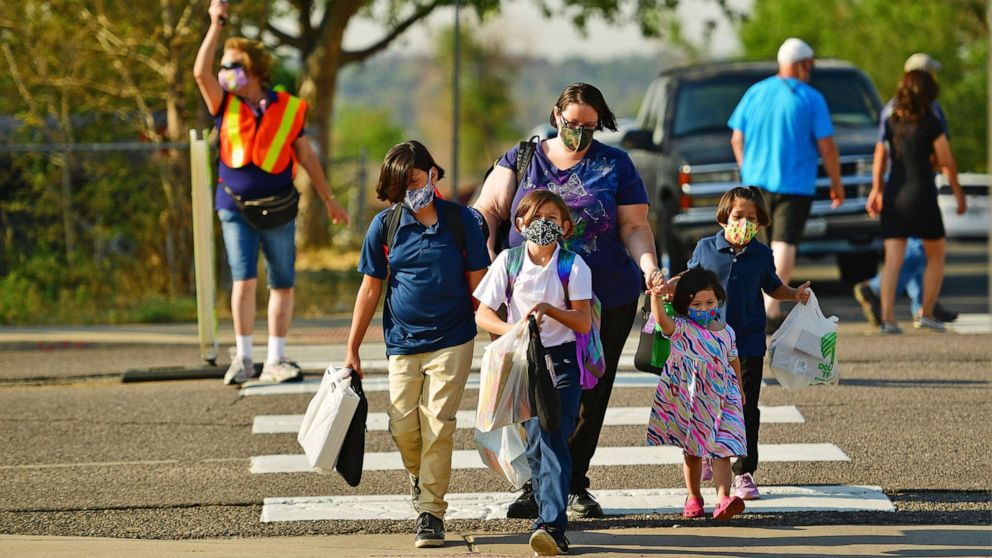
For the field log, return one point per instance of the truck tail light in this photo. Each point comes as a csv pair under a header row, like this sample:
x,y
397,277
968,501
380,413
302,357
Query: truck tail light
x,y
685,177
685,202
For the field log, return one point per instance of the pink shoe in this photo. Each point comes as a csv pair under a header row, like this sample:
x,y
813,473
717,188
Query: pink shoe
x,y
693,508
728,507
745,488
707,469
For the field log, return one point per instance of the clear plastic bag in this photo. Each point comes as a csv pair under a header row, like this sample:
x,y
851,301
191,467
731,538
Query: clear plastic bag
x,y
803,352
503,396
504,450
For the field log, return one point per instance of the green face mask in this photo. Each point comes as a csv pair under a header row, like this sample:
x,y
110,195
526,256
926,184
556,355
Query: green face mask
x,y
575,138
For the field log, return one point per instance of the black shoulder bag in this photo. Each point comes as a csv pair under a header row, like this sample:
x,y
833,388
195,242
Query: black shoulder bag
x,y
543,394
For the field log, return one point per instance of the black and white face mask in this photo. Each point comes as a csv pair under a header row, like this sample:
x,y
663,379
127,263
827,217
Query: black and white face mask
x,y
542,232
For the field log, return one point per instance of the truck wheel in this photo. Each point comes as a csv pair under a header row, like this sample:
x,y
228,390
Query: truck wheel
x,y
858,266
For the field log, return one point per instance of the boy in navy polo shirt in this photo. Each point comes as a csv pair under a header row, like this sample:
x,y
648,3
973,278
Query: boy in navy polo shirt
x,y
427,319
745,267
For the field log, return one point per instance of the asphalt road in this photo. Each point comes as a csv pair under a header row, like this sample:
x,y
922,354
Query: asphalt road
x,y
83,454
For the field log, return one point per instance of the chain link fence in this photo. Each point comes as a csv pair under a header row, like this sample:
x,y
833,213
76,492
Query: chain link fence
x,y
102,232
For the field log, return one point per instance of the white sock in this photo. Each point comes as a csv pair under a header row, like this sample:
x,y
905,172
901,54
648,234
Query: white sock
x,y
243,345
277,349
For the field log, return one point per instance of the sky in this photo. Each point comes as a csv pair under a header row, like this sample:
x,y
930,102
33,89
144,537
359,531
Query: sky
x,y
524,30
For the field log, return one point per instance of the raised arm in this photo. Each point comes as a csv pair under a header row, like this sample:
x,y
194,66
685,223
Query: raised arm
x,y
665,322
203,67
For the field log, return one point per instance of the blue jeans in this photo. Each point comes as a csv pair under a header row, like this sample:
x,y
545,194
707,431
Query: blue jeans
x,y
910,276
242,241
547,452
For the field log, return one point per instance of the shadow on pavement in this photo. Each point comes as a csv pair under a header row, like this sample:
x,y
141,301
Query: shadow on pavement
x,y
942,542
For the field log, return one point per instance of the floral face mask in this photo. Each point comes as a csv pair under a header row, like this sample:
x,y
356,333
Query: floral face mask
x,y
741,232
421,197
542,232
232,79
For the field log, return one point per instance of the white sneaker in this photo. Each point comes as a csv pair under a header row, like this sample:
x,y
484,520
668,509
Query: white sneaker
x,y
923,322
240,371
283,371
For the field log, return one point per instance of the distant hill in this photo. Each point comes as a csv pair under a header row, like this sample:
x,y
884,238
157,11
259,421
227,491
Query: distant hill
x,y
391,82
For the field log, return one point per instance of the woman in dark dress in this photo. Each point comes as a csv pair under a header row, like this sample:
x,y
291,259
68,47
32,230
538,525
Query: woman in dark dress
x,y
907,201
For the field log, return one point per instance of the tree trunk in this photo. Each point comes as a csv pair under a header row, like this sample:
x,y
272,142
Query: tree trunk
x,y
319,88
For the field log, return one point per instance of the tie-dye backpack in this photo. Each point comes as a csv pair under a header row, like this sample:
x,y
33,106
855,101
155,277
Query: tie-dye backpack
x,y
589,346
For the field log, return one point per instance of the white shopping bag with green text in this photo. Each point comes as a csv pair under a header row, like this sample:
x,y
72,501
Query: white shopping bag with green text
x,y
803,352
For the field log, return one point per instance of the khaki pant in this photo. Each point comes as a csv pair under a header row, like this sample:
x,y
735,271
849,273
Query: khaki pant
x,y
424,393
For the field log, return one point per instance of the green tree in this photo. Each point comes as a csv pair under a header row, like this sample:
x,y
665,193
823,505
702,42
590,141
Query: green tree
x,y
878,36
486,109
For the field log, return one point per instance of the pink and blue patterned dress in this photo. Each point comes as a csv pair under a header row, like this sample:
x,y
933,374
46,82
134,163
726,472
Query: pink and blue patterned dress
x,y
698,404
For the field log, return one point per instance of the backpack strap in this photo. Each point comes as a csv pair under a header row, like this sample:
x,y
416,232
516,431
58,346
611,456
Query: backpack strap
x,y
514,263
453,216
565,260
524,155
393,217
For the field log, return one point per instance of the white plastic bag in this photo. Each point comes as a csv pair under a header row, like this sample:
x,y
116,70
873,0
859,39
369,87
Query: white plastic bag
x,y
504,450
503,395
327,419
803,352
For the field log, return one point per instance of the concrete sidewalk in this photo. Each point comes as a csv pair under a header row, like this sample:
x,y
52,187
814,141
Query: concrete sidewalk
x,y
753,542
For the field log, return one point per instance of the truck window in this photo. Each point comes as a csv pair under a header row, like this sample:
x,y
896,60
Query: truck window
x,y
705,106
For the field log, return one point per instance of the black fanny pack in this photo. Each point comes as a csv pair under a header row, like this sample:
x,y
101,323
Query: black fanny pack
x,y
269,212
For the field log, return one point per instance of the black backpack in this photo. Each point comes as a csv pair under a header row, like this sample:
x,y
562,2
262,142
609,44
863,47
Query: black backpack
x,y
525,153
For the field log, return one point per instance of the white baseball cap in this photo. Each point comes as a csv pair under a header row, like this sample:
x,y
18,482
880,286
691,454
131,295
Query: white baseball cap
x,y
794,50
921,61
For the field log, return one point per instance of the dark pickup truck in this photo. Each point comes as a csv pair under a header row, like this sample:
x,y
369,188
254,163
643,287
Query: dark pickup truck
x,y
681,146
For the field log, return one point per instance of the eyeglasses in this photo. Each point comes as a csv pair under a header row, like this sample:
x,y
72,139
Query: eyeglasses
x,y
578,126
232,65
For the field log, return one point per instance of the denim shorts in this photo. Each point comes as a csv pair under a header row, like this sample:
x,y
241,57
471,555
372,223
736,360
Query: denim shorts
x,y
242,242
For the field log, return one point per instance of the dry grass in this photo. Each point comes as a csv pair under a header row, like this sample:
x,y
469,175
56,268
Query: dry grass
x,y
327,259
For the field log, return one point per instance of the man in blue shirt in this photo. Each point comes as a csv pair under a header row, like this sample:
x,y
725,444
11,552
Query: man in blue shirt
x,y
780,127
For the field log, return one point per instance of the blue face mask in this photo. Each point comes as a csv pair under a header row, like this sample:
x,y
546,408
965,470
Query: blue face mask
x,y
702,317
421,197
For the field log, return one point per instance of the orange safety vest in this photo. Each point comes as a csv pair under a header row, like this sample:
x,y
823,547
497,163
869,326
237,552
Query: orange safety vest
x,y
266,143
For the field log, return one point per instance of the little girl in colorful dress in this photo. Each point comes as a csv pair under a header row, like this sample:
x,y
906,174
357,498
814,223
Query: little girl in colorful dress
x,y
699,405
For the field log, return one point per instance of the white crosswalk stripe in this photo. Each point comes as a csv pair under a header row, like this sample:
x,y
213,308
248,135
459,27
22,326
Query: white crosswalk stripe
x,y
380,382
620,416
605,456
774,499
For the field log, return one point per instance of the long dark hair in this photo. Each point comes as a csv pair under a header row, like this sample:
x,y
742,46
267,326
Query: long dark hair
x,y
586,94
915,96
398,165
691,282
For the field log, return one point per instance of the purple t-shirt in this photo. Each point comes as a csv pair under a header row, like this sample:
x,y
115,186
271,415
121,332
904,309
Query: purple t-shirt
x,y
250,181
593,189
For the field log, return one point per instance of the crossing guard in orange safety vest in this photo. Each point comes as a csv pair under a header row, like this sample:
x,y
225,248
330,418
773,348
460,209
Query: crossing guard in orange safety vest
x,y
261,143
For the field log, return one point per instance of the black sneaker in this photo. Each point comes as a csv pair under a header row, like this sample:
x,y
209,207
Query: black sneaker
x,y
430,531
525,506
942,314
582,504
871,305
414,490
548,543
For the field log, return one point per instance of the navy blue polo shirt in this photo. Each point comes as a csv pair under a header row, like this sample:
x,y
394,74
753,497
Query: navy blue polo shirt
x,y
744,276
428,303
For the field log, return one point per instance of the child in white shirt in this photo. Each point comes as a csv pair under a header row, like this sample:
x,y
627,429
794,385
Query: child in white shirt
x,y
531,279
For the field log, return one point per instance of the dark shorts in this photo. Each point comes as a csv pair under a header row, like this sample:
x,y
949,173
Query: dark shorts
x,y
789,213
